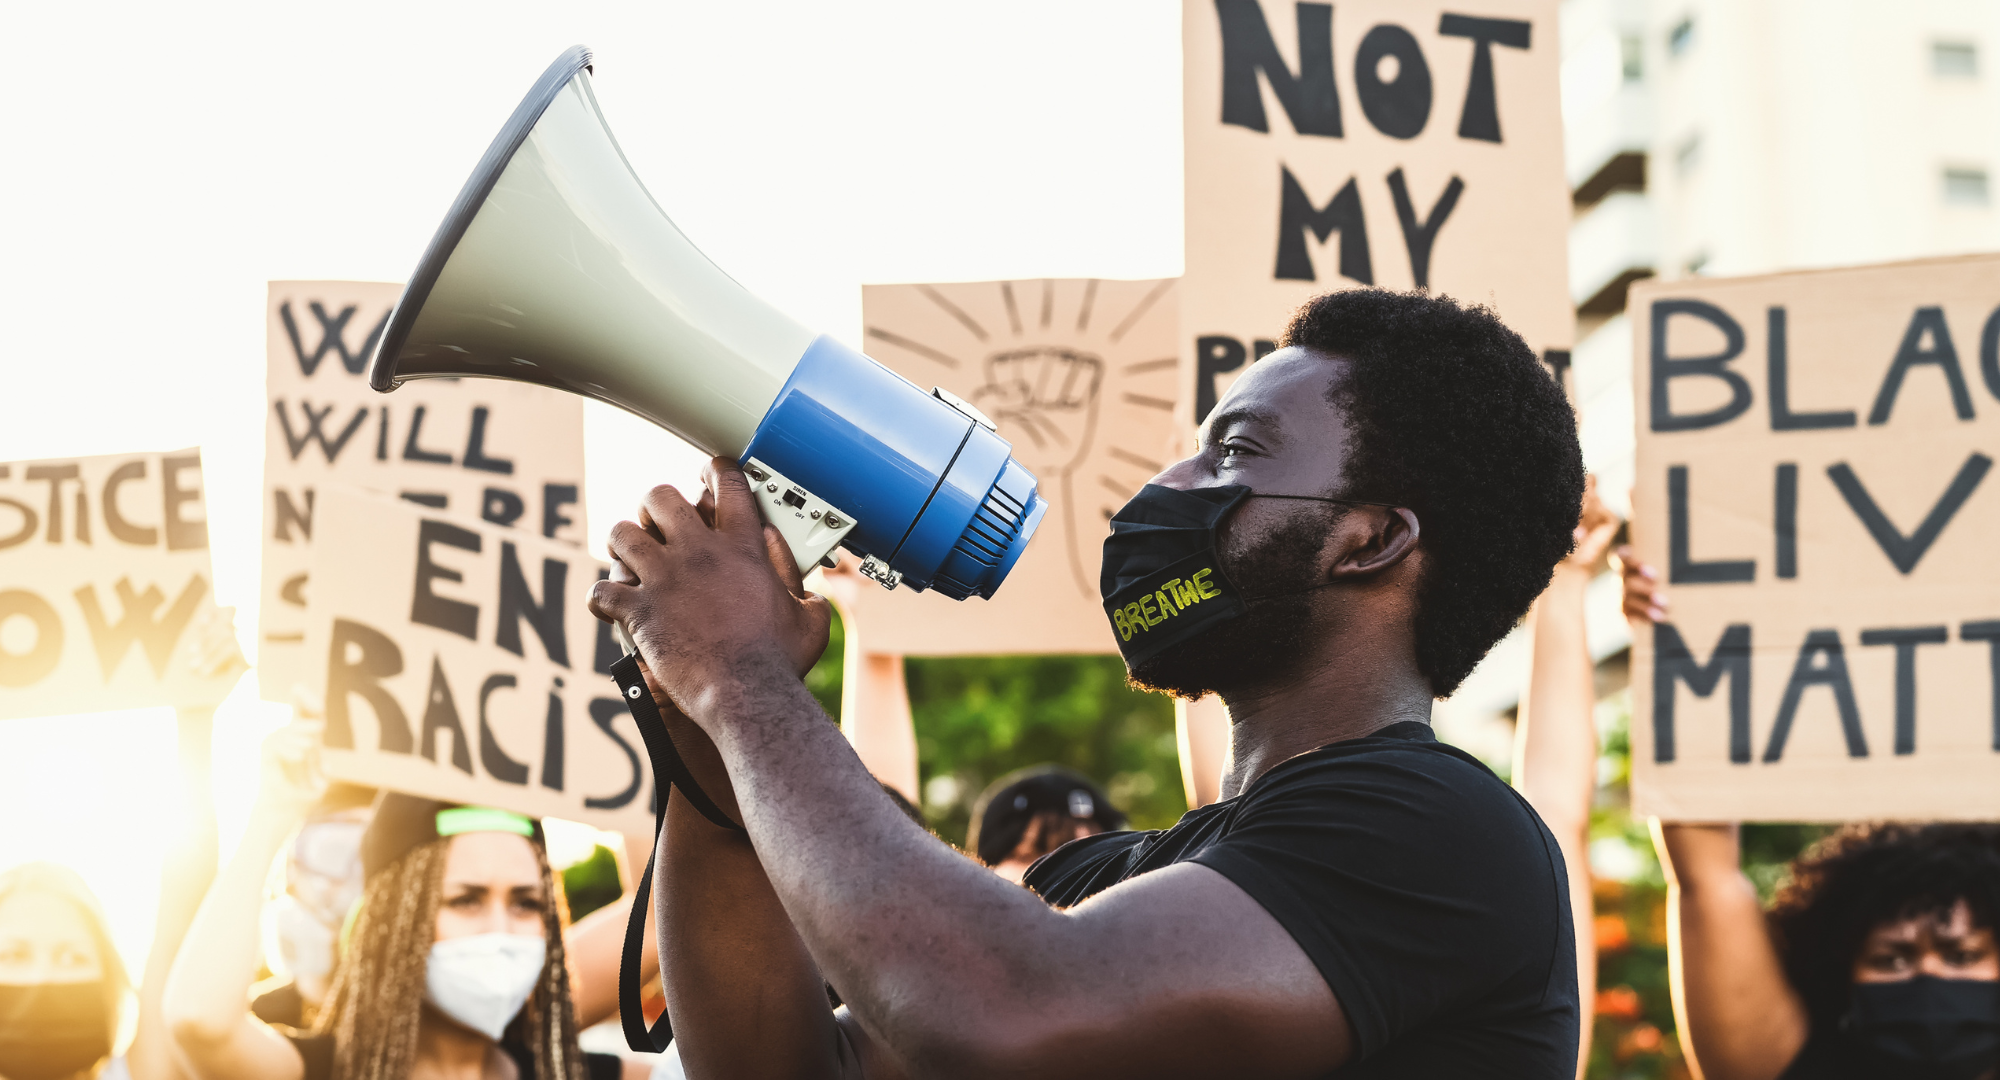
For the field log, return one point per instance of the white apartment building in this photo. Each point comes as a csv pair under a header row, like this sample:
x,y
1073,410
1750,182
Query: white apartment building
x,y
1730,137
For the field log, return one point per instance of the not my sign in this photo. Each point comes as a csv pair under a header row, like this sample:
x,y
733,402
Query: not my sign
x,y
1815,459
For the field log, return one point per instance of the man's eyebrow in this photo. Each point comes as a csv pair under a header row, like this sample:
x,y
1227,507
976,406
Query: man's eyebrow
x,y
1243,415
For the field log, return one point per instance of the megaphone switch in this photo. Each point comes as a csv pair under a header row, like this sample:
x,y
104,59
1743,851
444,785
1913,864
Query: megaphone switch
x,y
555,266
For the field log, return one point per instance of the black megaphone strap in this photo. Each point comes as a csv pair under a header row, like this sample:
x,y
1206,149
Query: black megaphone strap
x,y
669,771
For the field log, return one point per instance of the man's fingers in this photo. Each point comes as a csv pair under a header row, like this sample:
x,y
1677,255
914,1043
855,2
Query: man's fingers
x,y
669,513
610,600
780,554
735,507
705,506
636,550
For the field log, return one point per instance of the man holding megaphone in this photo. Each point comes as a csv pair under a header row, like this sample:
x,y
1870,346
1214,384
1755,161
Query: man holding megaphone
x,y
1372,507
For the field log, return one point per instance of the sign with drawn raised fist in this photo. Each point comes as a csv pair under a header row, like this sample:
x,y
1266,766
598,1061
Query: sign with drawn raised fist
x,y
504,452
1374,142
1079,376
1815,487
105,587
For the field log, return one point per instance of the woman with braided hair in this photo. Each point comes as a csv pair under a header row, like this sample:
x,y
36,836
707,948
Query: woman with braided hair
x,y
453,965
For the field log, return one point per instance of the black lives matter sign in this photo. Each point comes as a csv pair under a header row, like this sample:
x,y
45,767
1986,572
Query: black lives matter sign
x,y
506,453
1815,485
1404,145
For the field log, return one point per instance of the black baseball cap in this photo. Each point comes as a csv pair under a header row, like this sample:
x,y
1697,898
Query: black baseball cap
x,y
402,823
1001,814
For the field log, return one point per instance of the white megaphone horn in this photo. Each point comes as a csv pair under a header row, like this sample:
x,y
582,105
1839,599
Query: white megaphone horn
x,y
556,267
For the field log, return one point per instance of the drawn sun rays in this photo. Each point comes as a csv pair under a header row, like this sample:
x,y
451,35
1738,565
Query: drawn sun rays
x,y
1079,374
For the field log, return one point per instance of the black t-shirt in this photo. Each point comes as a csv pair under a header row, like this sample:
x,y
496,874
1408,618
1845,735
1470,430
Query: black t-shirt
x,y
316,1051
1430,896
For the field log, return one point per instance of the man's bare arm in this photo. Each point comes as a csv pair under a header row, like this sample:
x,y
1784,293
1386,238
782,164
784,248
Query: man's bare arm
x,y
948,968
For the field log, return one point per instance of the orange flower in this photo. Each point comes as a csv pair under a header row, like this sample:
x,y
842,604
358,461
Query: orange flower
x,y
1611,933
1619,1003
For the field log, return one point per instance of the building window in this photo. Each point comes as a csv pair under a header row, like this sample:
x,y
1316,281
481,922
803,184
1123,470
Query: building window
x,y
1632,57
1681,37
1965,187
1954,60
1687,156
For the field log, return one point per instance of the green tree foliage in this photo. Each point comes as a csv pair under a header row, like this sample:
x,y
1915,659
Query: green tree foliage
x,y
592,883
978,718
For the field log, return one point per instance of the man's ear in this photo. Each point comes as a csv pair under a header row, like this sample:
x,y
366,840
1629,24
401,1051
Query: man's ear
x,y
1374,539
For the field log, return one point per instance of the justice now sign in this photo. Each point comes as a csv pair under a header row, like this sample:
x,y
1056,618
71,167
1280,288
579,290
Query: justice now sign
x,y
1815,459
1373,142
105,585
460,663
505,452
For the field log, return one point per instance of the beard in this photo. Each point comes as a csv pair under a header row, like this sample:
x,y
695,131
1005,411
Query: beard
x,y
1268,641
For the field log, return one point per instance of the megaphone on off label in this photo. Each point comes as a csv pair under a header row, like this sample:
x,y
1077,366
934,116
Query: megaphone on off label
x,y
555,266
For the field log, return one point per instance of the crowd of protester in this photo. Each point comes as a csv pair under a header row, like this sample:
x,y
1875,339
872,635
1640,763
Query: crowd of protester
x,y
416,938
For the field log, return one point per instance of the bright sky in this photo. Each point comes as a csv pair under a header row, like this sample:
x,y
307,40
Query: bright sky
x,y
165,161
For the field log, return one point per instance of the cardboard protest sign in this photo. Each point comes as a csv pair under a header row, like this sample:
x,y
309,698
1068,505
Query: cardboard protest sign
x,y
461,664
105,585
506,452
1814,452
1079,376
1378,142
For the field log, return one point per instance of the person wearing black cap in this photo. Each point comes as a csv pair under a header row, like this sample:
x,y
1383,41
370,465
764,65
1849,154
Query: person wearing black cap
x,y
1030,812
452,962
1370,509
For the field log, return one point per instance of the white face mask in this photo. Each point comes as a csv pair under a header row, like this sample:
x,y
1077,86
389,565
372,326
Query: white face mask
x,y
296,943
482,981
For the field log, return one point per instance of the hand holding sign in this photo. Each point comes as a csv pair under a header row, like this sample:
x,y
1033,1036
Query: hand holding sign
x,y
291,781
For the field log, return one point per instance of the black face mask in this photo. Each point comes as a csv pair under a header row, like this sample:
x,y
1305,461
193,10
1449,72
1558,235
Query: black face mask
x,y
1163,581
1927,1028
52,1030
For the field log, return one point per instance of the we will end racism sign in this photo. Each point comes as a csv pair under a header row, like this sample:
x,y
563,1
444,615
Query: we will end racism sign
x,y
504,452
459,662
1815,484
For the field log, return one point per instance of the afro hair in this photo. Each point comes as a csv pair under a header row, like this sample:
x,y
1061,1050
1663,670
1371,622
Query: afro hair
x,y
1865,875
1452,415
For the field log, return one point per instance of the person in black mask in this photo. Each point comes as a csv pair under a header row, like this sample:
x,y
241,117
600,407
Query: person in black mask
x,y
61,982
1370,509
1876,961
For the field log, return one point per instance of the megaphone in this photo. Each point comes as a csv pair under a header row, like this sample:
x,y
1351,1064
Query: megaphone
x,y
555,266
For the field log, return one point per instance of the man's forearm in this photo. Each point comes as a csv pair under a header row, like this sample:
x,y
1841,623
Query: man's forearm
x,y
744,996
906,929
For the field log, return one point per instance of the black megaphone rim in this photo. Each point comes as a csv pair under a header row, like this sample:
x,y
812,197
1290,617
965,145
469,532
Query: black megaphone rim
x,y
381,369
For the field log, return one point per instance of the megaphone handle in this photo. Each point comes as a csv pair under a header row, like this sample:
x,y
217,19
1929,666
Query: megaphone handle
x,y
669,771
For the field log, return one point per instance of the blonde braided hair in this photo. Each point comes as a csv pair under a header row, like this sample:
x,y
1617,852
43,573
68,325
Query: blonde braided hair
x,y
374,1009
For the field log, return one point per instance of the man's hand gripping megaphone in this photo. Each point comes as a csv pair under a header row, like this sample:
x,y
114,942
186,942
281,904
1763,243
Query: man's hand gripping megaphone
x,y
711,596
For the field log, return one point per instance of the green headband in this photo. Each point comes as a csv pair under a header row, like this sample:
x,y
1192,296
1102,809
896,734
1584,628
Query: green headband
x,y
466,819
